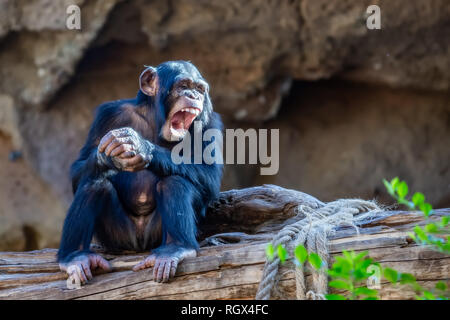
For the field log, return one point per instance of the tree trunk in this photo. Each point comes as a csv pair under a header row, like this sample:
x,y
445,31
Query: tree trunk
x,y
230,263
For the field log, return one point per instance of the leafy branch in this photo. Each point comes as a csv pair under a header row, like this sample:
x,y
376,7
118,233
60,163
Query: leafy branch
x,y
429,234
349,272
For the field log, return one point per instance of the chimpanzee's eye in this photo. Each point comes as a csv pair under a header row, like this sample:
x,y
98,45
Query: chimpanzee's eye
x,y
201,88
183,85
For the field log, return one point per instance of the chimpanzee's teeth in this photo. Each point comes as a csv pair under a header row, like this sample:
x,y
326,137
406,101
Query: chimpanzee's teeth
x,y
191,110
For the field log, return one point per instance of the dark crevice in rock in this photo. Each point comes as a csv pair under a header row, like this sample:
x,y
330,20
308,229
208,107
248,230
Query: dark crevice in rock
x,y
31,238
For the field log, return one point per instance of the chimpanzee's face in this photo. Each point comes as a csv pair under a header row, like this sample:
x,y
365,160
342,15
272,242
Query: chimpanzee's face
x,y
185,103
184,94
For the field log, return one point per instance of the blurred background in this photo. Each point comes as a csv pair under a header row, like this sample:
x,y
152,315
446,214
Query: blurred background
x,y
353,105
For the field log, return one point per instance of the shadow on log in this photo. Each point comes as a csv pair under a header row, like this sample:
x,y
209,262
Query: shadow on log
x,y
231,261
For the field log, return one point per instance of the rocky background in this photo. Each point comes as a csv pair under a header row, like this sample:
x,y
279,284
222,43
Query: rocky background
x,y
353,105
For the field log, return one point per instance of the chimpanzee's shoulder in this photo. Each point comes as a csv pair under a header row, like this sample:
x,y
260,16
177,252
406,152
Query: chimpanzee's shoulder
x,y
215,121
113,108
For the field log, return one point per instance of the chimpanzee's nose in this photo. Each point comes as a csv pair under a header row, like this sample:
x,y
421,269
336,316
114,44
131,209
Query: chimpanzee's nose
x,y
192,95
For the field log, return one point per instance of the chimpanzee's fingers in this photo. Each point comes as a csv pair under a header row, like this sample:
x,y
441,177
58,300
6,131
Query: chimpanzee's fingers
x,y
155,270
92,261
110,136
139,266
115,143
146,263
161,268
87,270
127,154
112,145
150,261
132,164
121,149
173,268
122,133
81,274
167,268
105,141
137,159
103,263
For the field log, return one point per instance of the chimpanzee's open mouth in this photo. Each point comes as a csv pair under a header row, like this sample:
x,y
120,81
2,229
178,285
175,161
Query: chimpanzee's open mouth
x,y
181,121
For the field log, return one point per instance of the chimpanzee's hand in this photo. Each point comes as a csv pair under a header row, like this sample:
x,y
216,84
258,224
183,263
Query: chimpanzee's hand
x,y
165,260
127,150
79,268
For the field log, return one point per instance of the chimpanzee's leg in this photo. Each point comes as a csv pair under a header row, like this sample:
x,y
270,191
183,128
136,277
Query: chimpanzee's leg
x,y
95,208
176,199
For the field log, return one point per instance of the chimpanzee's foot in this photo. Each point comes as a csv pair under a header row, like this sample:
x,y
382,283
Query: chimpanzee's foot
x,y
164,261
79,268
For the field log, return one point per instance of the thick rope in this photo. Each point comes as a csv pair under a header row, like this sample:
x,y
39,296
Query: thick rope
x,y
312,231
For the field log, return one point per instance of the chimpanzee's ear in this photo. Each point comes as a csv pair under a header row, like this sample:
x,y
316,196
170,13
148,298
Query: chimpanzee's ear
x,y
148,81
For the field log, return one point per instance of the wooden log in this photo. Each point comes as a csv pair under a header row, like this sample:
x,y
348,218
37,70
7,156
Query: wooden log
x,y
233,268
248,210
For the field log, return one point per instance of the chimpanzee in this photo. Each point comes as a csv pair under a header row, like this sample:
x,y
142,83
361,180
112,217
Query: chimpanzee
x,y
128,193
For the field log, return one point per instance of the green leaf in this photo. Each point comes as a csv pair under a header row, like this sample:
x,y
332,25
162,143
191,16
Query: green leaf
x,y
428,295
441,286
425,208
420,233
366,291
418,198
407,278
349,256
431,228
371,298
336,274
342,264
412,236
363,265
270,252
389,188
339,284
446,247
390,274
335,297
315,260
301,253
407,203
360,256
360,274
402,189
282,253
444,221
395,182
416,287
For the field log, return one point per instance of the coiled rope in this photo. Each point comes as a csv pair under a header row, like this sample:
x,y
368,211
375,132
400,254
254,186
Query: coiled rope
x,y
312,231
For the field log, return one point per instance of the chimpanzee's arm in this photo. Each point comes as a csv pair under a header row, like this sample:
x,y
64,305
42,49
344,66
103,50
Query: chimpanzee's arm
x,y
91,164
200,175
